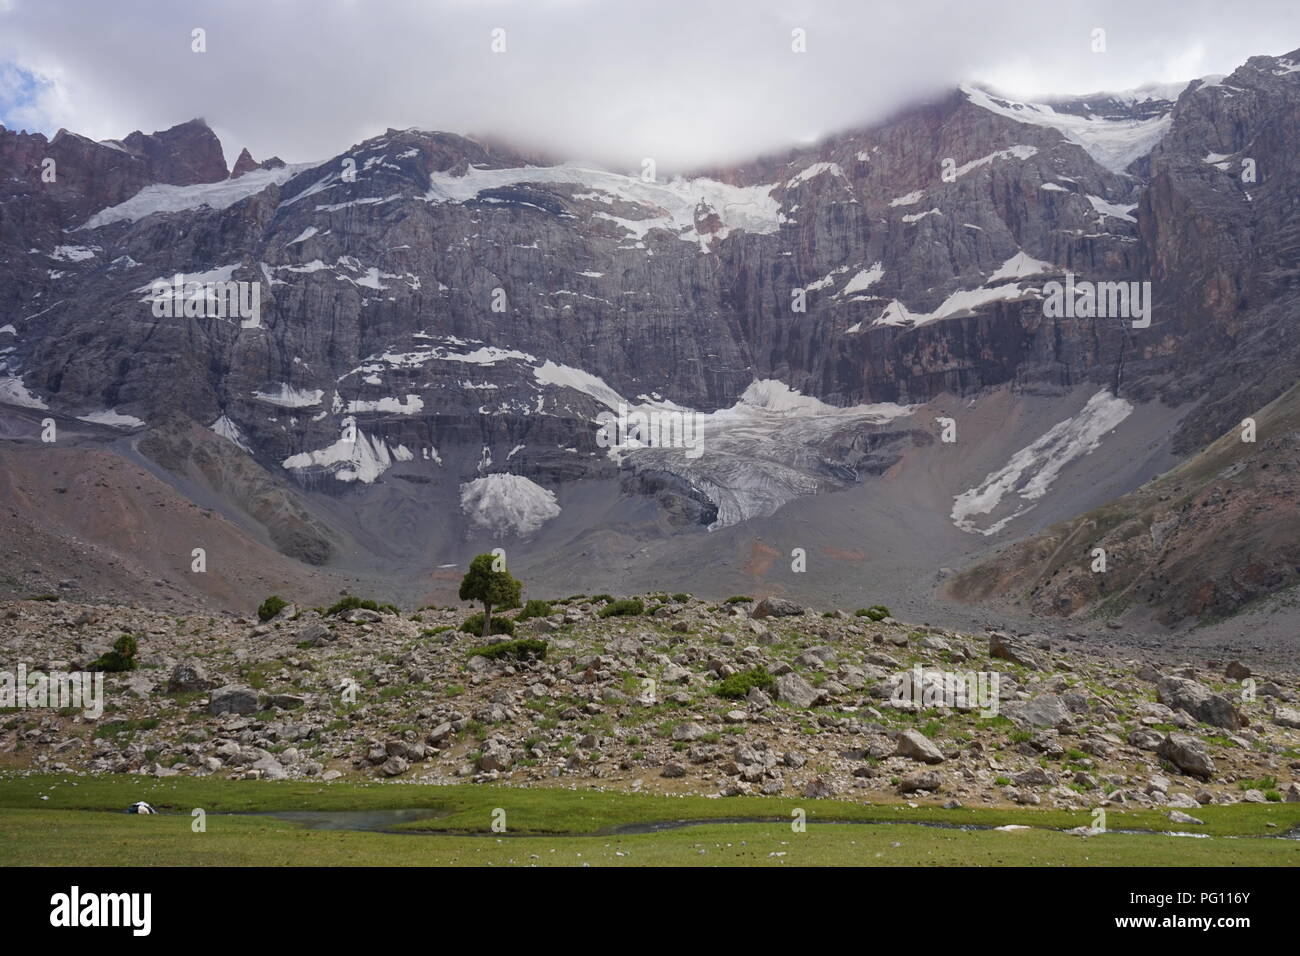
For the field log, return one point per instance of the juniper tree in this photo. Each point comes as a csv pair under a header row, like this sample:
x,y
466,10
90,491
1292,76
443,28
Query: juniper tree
x,y
482,582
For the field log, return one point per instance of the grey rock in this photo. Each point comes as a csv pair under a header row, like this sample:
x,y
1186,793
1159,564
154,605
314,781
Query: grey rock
x,y
1007,648
920,780
777,607
188,676
1199,701
916,746
1045,710
1187,754
233,699
796,691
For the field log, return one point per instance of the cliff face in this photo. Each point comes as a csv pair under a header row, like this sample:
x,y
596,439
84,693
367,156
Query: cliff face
x,y
1221,245
462,314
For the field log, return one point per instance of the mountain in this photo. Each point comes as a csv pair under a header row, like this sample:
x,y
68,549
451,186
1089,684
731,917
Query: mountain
x,y
439,325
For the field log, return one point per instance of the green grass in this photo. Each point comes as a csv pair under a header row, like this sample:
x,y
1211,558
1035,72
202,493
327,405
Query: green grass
x,y
84,825
35,838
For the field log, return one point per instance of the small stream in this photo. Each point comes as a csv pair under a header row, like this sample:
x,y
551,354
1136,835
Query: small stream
x,y
385,821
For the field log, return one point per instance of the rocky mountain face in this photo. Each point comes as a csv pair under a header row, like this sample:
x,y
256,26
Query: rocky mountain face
x,y
435,311
1203,541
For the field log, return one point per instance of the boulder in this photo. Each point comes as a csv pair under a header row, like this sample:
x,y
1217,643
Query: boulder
x,y
394,766
188,676
1144,739
818,788
1008,648
233,699
1045,710
917,746
315,634
1287,717
688,732
920,780
777,607
1236,670
1187,754
796,691
270,768
1200,701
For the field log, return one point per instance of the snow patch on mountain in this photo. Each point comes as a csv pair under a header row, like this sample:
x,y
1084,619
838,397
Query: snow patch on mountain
x,y
1020,266
864,280
412,406
507,504
672,205
287,396
219,195
1015,152
363,459
1031,471
14,392
227,429
112,418
1107,208
1114,143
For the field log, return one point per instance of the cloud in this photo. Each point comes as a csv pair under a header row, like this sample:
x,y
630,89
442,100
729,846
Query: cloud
x,y
687,82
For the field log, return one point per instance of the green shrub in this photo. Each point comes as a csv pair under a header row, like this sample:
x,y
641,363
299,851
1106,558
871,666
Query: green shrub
x,y
534,608
628,607
271,607
681,597
877,612
440,629
120,658
597,598
500,625
42,597
351,603
519,649
739,599
737,685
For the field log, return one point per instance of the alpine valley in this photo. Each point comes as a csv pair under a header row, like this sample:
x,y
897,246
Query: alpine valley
x,y
441,322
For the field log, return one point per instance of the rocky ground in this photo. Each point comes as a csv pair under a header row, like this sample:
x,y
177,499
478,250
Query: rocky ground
x,y
631,703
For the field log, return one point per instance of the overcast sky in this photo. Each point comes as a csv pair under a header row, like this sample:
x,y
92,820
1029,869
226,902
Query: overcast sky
x,y
688,82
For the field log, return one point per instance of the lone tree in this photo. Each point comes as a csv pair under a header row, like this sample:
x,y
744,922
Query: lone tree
x,y
483,582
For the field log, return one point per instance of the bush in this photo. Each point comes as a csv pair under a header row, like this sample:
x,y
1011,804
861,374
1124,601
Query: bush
x,y
534,608
351,603
597,598
739,599
681,597
877,612
628,607
500,625
120,658
737,685
520,649
271,607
